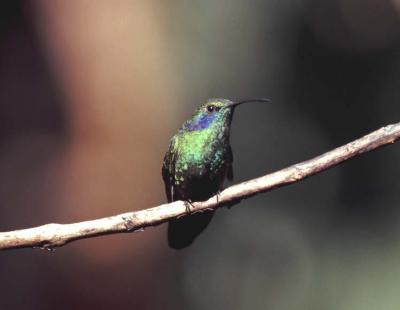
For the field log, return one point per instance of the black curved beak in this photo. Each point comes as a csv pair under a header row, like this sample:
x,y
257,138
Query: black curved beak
x,y
236,103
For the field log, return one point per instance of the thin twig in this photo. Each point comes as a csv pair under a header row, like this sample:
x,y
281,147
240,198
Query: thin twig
x,y
50,236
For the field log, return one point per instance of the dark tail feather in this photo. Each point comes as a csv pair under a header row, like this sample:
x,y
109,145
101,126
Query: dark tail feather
x,y
183,231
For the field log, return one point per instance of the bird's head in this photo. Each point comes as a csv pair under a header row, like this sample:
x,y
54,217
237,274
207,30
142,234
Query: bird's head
x,y
215,111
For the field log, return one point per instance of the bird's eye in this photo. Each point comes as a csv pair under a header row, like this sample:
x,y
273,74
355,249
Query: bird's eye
x,y
210,108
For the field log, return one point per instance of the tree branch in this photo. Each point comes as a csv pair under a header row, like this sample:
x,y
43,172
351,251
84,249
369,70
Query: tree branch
x,y
50,236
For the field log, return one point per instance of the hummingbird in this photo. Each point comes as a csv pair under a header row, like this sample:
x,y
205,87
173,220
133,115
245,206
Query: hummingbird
x,y
198,161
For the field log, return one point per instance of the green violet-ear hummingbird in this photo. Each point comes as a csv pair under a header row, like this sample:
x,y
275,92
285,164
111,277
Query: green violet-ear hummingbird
x,y
196,164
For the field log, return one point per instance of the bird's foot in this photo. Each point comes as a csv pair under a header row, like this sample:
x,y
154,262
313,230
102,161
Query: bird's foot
x,y
188,206
217,196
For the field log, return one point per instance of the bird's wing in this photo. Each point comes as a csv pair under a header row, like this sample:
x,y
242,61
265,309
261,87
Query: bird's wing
x,y
168,170
169,190
229,160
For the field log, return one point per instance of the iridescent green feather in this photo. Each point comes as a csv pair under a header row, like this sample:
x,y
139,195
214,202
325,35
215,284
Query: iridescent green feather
x,y
198,160
200,150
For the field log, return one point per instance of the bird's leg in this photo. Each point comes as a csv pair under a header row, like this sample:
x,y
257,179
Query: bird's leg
x,y
188,204
217,196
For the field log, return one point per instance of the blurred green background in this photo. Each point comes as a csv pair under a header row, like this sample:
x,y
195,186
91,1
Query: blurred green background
x,y
92,91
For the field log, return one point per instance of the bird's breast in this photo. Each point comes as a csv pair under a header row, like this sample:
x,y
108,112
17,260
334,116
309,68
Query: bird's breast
x,y
200,158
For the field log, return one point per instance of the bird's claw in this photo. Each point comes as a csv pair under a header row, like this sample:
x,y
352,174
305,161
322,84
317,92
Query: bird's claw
x,y
217,196
188,205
